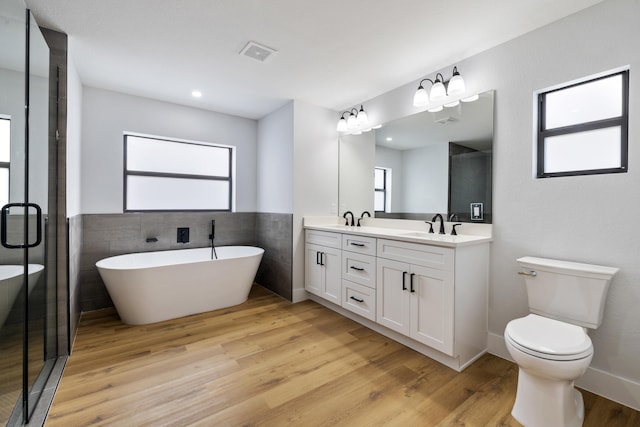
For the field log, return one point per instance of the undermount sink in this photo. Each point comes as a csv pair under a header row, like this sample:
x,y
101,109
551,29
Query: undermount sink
x,y
423,235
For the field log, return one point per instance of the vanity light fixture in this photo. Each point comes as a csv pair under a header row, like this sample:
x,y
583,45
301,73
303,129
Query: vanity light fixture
x,y
440,89
356,121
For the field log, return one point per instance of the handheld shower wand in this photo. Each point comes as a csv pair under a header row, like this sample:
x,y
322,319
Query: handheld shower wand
x,y
212,236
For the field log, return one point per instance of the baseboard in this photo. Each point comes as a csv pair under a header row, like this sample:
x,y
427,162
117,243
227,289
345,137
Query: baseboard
x,y
605,384
299,294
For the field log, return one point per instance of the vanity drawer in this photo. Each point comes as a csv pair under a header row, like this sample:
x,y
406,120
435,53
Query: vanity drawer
x,y
359,268
415,253
361,244
359,299
323,238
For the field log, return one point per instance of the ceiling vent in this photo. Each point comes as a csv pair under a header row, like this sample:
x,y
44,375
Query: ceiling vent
x,y
257,51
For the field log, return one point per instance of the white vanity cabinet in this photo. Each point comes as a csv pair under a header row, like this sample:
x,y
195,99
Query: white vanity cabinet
x,y
323,259
430,296
359,275
415,294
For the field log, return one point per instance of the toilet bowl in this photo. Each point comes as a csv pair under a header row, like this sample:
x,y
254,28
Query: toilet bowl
x,y
550,355
551,345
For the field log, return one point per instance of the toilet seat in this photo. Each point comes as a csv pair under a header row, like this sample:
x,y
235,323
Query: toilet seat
x,y
548,338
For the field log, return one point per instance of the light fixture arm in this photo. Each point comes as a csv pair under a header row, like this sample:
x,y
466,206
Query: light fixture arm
x,y
425,80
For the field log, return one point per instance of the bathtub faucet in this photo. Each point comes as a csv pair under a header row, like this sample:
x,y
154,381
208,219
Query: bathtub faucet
x,y
212,236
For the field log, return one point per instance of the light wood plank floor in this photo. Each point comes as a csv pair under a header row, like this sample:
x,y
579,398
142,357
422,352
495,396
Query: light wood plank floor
x,y
271,363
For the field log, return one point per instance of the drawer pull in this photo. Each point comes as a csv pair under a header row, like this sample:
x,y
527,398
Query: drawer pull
x,y
404,280
356,268
356,299
361,245
411,279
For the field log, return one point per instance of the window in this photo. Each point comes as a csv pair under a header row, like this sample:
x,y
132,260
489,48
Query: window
x,y
582,128
168,175
5,158
382,187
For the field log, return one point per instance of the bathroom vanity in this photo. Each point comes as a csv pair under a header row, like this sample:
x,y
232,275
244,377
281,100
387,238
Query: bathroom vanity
x,y
427,291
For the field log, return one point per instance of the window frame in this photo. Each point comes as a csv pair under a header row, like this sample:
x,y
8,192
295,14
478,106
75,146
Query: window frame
x,y
622,121
7,165
382,190
127,172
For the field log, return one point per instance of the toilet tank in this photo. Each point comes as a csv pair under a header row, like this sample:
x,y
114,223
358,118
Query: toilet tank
x,y
568,291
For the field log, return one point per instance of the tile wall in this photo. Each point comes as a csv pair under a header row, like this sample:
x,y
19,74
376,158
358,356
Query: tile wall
x,y
105,235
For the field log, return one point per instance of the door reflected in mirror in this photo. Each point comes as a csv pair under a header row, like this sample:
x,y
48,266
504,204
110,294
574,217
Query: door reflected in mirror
x,y
438,162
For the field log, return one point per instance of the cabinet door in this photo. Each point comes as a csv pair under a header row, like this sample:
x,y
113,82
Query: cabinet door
x,y
313,272
393,296
331,260
432,308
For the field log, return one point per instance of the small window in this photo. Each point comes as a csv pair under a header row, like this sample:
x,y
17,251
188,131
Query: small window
x,y
382,186
582,128
169,175
5,159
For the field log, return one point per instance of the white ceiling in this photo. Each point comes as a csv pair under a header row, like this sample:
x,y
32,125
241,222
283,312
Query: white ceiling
x,y
331,53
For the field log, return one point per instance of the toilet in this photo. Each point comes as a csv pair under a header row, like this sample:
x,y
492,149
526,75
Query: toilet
x,y
551,345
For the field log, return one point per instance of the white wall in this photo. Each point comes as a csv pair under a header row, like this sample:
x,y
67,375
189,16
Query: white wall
x,y
12,104
275,161
106,115
315,177
357,162
430,167
585,218
74,139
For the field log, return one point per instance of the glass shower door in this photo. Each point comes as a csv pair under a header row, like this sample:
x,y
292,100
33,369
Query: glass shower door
x,y
12,190
27,303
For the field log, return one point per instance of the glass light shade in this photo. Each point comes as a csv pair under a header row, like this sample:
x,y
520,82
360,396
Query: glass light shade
x,y
435,109
470,98
438,91
456,85
352,121
363,120
342,125
421,97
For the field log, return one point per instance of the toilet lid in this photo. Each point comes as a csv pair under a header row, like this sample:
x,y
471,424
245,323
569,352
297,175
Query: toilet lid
x,y
549,338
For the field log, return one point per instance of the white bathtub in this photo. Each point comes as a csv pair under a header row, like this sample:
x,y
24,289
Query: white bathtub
x,y
151,287
11,281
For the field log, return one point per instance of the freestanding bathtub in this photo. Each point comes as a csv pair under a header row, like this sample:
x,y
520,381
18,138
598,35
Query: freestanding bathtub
x,y
11,281
150,287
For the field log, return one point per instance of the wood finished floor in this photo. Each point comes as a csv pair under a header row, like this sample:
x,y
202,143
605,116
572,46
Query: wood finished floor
x,y
271,363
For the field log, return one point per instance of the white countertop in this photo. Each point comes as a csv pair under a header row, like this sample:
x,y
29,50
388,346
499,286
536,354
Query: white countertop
x,y
415,233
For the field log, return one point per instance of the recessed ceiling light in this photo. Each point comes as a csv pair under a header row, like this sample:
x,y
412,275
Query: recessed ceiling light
x,y
196,94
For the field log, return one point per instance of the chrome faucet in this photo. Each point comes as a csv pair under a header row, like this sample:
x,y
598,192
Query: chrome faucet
x,y
347,220
362,216
436,216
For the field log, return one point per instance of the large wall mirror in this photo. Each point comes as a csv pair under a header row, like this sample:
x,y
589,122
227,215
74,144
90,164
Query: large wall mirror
x,y
423,164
